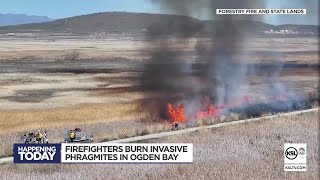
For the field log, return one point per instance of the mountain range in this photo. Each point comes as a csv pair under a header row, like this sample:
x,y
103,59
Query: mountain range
x,y
16,19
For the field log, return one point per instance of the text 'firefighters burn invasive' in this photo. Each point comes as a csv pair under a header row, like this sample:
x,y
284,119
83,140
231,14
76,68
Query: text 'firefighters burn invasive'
x,y
127,153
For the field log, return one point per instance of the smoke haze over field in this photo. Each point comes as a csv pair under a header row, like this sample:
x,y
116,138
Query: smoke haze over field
x,y
221,73
205,9
312,16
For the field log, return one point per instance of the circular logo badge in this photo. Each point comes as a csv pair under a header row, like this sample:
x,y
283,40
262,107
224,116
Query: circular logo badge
x,y
291,153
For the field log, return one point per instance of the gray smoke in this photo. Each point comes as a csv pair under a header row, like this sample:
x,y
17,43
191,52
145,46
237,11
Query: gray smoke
x,y
222,63
205,9
311,18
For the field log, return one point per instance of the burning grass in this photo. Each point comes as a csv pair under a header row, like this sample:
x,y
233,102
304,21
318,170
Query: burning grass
x,y
246,151
119,121
243,108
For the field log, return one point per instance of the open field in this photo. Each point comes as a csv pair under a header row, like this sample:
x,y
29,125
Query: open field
x,y
36,75
57,49
245,151
99,89
294,50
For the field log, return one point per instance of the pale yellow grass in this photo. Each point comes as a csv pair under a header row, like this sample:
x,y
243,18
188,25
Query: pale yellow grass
x,y
26,48
125,95
18,121
245,151
88,48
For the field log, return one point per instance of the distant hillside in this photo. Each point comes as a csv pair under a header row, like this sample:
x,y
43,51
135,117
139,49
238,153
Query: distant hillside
x,y
153,24
16,19
106,22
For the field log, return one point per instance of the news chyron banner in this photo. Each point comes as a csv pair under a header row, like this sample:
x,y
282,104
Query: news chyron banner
x,y
37,153
127,153
103,153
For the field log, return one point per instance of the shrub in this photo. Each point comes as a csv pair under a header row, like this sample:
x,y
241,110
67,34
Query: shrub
x,y
72,55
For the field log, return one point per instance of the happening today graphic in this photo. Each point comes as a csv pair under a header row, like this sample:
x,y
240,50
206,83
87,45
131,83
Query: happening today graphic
x,y
295,157
37,153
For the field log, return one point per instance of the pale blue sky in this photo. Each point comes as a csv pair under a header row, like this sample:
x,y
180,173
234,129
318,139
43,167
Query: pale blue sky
x,y
67,8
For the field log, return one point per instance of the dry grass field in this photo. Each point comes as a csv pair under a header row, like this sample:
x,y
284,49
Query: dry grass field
x,y
244,151
296,50
83,114
98,89
58,49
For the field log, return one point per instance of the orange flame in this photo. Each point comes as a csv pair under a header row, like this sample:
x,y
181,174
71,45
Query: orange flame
x,y
176,114
210,112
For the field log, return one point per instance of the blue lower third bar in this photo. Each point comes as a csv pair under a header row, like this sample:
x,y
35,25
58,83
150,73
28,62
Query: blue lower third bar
x,y
37,153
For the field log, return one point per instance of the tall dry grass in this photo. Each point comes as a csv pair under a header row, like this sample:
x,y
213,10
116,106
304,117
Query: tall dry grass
x,y
245,151
19,121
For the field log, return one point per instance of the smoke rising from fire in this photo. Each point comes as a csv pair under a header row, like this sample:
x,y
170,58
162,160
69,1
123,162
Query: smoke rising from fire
x,y
222,62
311,18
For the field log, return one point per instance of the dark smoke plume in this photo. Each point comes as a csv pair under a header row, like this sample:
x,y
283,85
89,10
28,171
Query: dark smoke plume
x,y
218,72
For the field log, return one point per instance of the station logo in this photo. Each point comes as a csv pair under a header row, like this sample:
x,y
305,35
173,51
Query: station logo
x,y
295,157
37,153
291,153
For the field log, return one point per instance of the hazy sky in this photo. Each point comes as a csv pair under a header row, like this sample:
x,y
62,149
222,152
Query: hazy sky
x,y
67,8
